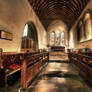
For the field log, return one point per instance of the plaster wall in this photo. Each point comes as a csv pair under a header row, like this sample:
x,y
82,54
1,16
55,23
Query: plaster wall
x,y
14,14
73,43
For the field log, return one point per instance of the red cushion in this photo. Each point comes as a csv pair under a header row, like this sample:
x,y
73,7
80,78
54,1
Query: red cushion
x,y
90,61
84,59
13,67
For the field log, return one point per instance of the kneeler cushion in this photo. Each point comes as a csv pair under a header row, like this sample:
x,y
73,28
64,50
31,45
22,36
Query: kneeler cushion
x,y
90,61
13,66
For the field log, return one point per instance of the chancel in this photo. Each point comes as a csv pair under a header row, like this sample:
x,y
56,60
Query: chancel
x,y
45,45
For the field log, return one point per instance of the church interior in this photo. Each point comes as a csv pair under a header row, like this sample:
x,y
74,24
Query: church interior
x,y
45,45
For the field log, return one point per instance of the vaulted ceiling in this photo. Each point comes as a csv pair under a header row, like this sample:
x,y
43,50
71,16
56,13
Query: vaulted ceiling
x,y
66,10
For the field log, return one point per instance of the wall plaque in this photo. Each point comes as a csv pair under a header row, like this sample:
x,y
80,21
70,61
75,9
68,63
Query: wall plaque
x,y
5,35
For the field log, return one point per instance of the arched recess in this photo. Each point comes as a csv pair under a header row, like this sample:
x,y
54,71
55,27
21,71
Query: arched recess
x,y
88,24
32,33
84,27
81,32
30,37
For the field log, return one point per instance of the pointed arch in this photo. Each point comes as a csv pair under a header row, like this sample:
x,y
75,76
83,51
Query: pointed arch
x,y
30,36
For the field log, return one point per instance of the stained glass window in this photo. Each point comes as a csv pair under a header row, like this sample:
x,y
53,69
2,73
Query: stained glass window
x,y
52,38
62,38
25,30
57,38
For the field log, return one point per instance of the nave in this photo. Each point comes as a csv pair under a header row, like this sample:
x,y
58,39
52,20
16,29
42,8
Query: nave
x,y
36,33
59,77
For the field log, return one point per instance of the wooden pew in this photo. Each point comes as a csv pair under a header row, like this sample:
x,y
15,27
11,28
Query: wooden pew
x,y
84,62
28,64
11,63
30,71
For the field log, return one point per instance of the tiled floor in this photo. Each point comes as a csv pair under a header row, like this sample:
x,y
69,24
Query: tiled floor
x,y
59,77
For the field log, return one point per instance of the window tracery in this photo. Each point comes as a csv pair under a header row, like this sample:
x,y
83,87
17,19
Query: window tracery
x,y
57,38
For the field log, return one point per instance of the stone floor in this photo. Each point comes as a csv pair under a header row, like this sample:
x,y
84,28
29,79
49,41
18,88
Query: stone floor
x,y
59,77
56,77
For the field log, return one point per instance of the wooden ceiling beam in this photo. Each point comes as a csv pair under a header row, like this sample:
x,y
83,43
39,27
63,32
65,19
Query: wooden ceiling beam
x,y
66,10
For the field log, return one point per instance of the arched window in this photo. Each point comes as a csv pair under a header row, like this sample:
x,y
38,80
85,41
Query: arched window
x,y
62,38
25,30
88,28
57,38
52,38
30,31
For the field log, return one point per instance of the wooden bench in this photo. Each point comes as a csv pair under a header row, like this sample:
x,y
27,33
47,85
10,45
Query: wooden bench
x,y
29,72
84,62
11,65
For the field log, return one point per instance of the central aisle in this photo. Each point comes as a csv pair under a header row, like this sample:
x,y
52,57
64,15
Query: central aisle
x,y
59,77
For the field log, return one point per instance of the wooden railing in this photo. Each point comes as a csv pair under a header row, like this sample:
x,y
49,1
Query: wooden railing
x,y
21,63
